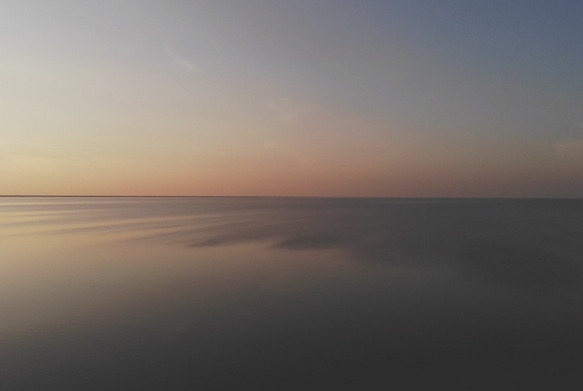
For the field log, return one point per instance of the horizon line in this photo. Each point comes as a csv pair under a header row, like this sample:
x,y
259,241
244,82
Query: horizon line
x,y
274,196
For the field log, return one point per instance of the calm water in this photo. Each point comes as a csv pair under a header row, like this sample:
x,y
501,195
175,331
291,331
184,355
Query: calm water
x,y
289,293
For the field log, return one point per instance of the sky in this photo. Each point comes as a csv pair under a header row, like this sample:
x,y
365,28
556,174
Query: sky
x,y
355,98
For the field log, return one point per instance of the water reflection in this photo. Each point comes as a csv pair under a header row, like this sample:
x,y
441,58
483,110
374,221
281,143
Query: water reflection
x,y
268,293
530,245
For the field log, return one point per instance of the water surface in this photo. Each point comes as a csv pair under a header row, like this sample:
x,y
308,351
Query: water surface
x,y
288,293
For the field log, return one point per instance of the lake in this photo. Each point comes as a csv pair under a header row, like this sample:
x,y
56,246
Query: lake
x,y
253,293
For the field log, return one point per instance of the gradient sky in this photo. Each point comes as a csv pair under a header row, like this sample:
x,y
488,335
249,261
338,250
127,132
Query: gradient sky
x,y
292,97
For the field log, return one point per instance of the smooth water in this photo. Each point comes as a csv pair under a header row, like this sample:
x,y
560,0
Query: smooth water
x,y
288,293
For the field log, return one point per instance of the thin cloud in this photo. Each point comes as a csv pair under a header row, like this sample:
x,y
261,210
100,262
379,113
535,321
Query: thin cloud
x,y
179,60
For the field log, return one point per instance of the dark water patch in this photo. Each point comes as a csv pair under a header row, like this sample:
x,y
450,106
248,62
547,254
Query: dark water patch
x,y
531,269
311,242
